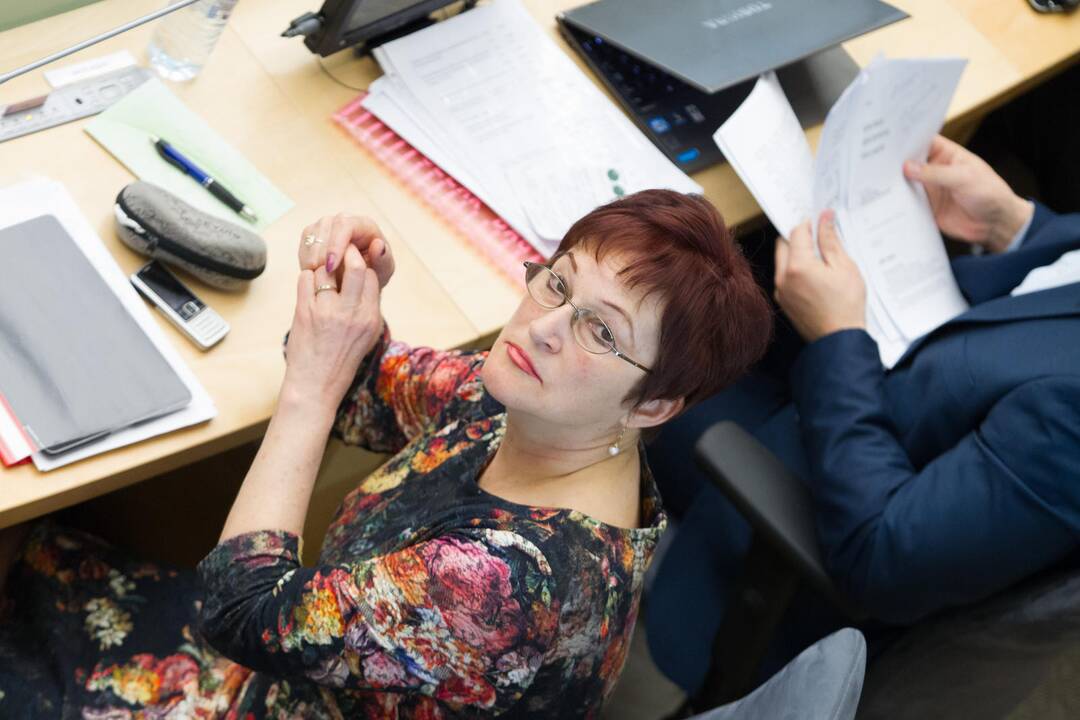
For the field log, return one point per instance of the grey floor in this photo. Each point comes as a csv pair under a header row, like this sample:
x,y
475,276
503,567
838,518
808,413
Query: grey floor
x,y
643,693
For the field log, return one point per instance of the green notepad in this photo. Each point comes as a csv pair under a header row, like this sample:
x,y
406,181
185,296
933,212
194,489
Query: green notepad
x,y
125,129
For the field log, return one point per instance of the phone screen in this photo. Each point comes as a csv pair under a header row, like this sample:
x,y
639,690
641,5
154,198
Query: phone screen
x,y
172,291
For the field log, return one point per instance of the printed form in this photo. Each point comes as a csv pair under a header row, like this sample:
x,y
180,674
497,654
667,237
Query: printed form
x,y
511,117
888,114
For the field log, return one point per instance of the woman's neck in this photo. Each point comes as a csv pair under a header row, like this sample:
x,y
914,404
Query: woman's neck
x,y
544,469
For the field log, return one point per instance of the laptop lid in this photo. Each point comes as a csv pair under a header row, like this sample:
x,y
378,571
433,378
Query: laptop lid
x,y
714,44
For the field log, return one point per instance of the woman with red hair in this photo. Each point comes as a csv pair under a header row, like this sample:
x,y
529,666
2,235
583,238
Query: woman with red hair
x,y
494,565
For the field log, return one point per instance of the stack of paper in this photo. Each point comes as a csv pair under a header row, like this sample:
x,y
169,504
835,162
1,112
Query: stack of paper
x,y
888,114
494,102
474,221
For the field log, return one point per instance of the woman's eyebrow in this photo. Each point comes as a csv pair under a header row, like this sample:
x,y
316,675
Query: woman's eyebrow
x,y
626,317
613,306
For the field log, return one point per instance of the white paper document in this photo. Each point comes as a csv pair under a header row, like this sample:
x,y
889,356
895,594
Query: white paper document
x,y
94,67
40,196
888,114
765,145
494,102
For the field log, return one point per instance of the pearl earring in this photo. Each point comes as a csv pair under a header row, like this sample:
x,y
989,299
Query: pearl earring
x,y
613,449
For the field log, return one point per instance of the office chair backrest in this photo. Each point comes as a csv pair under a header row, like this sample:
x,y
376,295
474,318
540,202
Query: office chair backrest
x,y
822,683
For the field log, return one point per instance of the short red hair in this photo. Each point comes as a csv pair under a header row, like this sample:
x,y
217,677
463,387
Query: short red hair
x,y
716,321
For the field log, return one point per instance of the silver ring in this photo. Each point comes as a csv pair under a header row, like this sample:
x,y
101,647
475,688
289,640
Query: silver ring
x,y
324,287
311,239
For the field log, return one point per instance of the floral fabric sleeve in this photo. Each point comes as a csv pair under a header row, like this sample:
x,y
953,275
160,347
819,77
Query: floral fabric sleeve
x,y
401,392
464,618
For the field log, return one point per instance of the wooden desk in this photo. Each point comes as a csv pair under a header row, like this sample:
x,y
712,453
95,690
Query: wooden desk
x,y
1035,45
268,96
300,152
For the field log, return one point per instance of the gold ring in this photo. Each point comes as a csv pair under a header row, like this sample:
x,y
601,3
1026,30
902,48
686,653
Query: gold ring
x,y
324,287
311,239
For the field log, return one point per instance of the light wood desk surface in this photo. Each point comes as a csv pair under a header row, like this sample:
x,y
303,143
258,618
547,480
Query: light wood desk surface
x,y
269,98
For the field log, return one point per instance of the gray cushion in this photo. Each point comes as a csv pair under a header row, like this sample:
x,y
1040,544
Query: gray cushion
x,y
822,683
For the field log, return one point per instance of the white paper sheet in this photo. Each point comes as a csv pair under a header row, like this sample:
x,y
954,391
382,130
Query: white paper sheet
x,y
77,72
765,145
395,106
493,92
887,115
41,196
897,113
558,187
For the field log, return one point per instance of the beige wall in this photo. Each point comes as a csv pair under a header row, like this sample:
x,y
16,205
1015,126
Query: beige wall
x,y
19,12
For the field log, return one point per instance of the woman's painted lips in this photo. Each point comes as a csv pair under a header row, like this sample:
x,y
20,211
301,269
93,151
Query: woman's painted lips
x,y
521,359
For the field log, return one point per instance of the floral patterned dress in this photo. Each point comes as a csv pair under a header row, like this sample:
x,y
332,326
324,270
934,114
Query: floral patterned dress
x,y
432,597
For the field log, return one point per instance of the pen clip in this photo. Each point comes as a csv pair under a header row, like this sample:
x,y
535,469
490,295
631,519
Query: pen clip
x,y
167,157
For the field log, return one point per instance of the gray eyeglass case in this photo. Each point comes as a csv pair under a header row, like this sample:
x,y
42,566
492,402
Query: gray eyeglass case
x,y
154,222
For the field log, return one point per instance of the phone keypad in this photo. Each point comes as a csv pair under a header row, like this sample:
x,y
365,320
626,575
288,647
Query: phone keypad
x,y
208,327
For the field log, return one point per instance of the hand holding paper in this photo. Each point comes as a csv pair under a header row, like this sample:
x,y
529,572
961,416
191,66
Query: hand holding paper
x,y
970,201
888,115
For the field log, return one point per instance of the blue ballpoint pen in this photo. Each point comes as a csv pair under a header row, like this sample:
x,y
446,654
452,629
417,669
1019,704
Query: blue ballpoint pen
x,y
173,157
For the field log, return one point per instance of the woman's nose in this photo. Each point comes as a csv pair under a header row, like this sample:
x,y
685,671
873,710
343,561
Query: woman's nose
x,y
550,330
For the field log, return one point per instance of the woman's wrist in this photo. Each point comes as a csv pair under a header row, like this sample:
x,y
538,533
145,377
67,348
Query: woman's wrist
x,y
314,405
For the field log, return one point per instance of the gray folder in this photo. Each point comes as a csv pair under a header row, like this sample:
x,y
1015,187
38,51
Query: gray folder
x,y
714,44
74,364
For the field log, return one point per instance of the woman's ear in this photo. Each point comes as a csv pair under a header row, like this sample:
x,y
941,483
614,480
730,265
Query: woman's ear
x,y
654,412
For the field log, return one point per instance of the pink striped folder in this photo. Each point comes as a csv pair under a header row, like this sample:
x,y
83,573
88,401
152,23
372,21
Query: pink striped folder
x,y
15,444
451,200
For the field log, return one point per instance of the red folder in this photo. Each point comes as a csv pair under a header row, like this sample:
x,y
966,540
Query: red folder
x,y
15,444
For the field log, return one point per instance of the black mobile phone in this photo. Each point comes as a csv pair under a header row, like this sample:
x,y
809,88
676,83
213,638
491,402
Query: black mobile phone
x,y
180,305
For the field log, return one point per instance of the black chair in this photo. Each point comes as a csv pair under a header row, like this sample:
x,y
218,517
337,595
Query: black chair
x,y
1016,655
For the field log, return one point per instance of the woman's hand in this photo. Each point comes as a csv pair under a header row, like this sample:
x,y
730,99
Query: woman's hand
x,y
323,244
332,331
970,201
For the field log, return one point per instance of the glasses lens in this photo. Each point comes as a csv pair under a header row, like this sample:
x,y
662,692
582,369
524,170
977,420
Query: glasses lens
x,y
592,333
544,286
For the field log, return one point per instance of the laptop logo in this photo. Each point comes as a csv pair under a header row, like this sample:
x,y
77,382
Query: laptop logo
x,y
739,13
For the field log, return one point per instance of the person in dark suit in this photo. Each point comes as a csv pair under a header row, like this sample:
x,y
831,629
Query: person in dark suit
x,y
936,483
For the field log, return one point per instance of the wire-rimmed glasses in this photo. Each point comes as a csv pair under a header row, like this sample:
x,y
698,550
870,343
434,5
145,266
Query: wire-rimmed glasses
x,y
590,331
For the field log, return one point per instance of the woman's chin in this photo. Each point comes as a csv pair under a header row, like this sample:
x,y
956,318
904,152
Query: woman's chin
x,y
507,384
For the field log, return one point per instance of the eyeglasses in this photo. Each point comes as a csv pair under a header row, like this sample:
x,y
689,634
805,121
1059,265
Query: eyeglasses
x,y
1054,6
548,290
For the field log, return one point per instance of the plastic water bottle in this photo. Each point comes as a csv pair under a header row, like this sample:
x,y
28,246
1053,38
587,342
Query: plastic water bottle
x,y
184,40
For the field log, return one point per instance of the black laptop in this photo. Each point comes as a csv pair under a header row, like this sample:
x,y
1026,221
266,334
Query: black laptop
x,y
681,67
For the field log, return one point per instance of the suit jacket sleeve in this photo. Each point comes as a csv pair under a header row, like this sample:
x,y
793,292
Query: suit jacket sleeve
x,y
904,541
985,277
